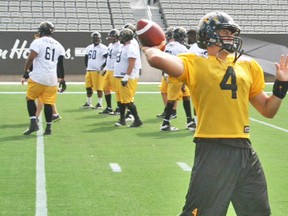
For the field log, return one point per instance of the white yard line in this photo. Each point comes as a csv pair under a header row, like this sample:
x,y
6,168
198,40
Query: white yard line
x,y
269,125
184,166
115,167
41,195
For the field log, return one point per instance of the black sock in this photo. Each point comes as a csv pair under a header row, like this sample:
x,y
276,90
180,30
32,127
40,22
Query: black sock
x,y
169,110
122,108
48,112
133,110
187,108
108,100
31,106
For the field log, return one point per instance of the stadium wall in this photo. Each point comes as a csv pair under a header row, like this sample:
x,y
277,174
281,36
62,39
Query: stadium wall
x,y
14,49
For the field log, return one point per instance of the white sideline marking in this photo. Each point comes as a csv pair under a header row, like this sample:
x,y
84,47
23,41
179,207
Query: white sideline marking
x,y
269,125
41,196
184,166
115,167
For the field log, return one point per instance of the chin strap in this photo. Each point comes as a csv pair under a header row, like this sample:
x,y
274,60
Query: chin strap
x,y
238,56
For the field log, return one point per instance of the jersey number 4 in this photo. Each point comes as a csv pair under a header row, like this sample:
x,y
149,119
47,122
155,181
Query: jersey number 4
x,y
232,86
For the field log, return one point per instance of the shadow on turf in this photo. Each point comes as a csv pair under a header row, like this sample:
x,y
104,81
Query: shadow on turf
x,y
17,137
14,126
166,134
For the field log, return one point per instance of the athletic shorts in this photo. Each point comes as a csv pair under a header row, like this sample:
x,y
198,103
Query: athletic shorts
x,y
222,173
93,79
124,94
108,81
47,94
174,91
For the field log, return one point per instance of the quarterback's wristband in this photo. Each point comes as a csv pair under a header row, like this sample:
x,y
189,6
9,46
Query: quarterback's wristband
x,y
280,88
26,75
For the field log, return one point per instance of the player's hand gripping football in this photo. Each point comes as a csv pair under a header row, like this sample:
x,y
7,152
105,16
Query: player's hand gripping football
x,y
62,86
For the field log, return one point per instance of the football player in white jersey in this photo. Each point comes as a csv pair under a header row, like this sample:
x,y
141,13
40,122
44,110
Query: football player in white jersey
x,y
46,56
95,59
138,64
108,71
126,74
177,90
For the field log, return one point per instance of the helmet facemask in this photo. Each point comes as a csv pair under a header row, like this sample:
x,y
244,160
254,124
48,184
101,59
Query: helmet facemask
x,y
208,33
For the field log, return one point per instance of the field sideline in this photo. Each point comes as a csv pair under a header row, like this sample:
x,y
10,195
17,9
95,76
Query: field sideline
x,y
89,167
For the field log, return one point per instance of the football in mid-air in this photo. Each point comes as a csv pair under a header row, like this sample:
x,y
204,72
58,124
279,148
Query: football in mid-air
x,y
149,33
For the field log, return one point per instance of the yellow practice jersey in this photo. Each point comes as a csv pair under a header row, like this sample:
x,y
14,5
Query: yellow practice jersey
x,y
220,92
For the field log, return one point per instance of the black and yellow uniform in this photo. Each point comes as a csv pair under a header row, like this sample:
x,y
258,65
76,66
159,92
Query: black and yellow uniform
x,y
226,168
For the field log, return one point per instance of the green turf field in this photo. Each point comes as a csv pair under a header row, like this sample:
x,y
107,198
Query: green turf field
x,y
77,157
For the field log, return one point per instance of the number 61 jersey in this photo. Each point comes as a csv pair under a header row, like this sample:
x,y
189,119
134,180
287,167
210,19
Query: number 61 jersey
x,y
45,65
220,91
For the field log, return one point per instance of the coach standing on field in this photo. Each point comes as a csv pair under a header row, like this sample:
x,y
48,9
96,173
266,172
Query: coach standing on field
x,y
46,55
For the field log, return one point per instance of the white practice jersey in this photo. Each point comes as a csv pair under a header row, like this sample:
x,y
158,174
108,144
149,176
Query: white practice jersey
x,y
121,64
197,51
96,56
45,64
113,49
175,48
138,63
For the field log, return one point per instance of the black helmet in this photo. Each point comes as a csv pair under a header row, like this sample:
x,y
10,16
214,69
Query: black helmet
x,y
180,34
46,28
169,33
130,26
113,34
208,32
125,35
96,37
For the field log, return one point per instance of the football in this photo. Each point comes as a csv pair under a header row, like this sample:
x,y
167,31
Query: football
x,y
149,33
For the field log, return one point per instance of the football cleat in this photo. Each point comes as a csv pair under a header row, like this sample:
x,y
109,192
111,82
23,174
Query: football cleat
x,y
86,106
33,127
48,131
108,110
56,118
191,126
162,115
129,118
136,124
98,106
168,128
120,123
116,112
173,116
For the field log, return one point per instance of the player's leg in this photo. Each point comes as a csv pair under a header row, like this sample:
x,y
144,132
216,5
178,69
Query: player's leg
x,y
89,91
99,87
163,91
122,107
211,187
250,196
49,97
33,92
107,88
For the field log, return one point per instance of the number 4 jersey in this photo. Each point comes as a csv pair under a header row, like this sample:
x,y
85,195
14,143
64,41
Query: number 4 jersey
x,y
45,65
220,92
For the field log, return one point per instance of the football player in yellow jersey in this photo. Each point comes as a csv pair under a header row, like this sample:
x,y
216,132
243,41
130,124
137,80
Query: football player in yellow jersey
x,y
226,168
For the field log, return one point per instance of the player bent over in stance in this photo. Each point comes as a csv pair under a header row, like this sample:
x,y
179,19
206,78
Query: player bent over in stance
x,y
125,73
226,168
46,55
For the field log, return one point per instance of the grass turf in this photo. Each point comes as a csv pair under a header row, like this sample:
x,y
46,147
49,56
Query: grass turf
x,y
79,180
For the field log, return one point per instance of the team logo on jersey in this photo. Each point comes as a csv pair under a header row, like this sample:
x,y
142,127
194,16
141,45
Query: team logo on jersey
x,y
246,129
